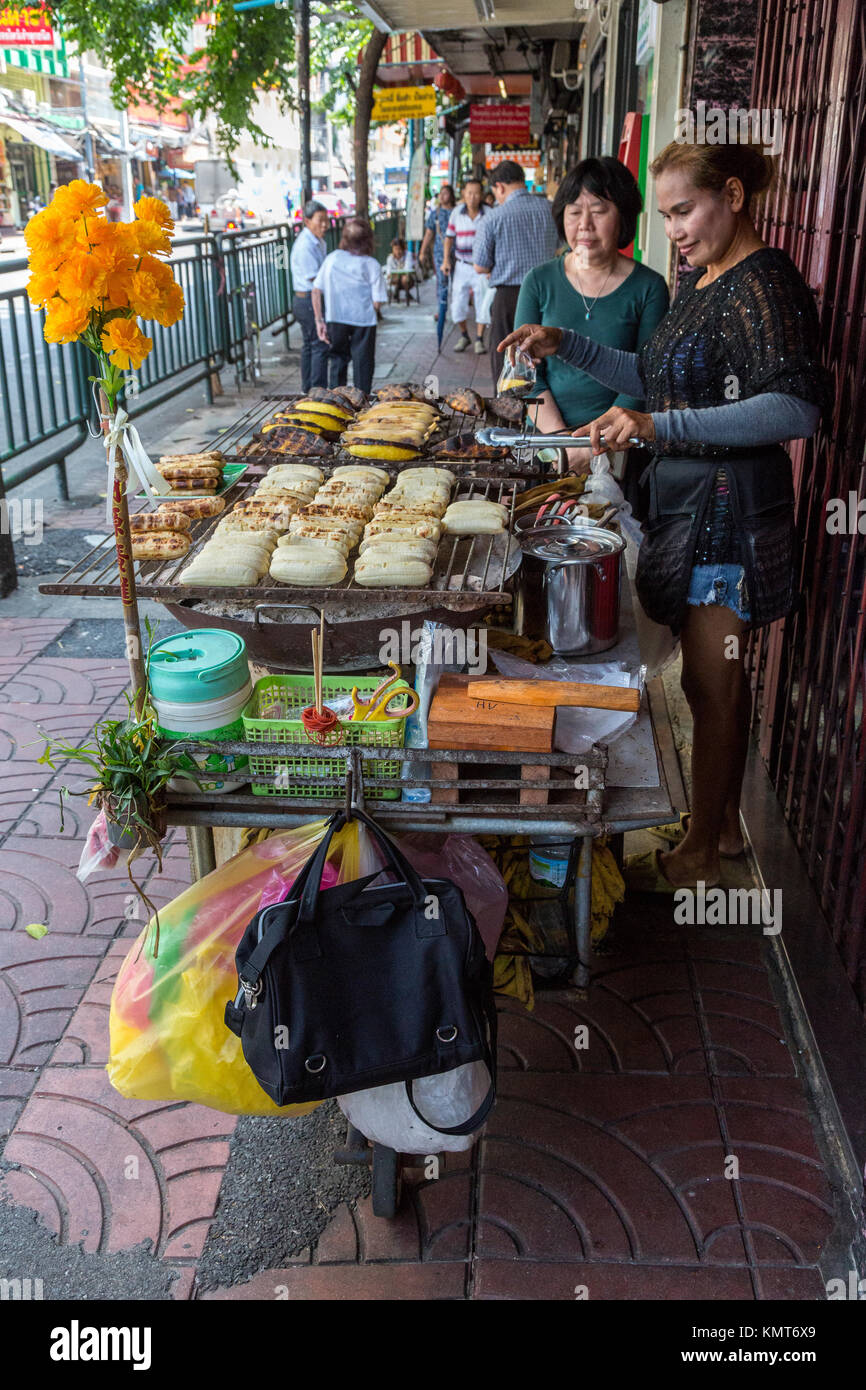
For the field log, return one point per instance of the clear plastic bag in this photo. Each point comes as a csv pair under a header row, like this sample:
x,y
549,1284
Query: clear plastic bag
x,y
385,1116
98,851
518,373
169,1040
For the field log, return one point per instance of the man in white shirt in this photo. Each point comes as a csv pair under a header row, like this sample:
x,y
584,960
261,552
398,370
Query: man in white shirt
x,y
348,291
457,262
307,256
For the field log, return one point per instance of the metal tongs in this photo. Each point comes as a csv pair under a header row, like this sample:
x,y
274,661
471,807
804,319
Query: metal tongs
x,y
516,439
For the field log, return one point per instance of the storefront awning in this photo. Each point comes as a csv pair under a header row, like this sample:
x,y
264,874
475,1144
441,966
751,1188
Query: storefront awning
x,y
40,135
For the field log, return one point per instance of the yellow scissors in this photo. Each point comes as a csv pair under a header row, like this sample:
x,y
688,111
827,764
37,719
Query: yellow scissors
x,y
378,705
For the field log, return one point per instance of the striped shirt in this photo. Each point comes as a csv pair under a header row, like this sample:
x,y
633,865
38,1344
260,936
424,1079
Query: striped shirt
x,y
515,237
463,228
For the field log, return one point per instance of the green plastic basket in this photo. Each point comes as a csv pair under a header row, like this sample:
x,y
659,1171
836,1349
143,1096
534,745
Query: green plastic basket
x,y
273,776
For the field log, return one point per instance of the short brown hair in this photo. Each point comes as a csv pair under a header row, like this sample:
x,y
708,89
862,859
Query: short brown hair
x,y
710,166
357,237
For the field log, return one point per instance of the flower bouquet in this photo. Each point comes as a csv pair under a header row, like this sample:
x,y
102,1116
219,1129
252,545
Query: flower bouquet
x,y
94,279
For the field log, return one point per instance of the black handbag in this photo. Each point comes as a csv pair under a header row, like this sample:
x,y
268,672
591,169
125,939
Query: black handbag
x,y
360,985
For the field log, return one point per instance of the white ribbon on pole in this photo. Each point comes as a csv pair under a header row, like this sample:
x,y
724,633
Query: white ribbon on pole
x,y
142,471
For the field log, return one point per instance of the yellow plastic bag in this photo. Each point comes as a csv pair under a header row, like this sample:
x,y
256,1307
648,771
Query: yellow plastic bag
x,y
169,1040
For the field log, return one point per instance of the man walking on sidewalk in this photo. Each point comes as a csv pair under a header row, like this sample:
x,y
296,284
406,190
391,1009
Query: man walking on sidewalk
x,y
516,236
466,283
308,253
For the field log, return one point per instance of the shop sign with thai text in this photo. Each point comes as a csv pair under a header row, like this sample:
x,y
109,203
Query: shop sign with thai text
x,y
25,26
499,125
402,103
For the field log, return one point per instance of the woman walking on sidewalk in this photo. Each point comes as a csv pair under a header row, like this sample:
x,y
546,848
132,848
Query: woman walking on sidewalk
x,y
434,236
308,253
732,370
348,292
595,288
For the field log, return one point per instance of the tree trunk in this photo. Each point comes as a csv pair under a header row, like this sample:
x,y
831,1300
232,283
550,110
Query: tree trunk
x,y
363,108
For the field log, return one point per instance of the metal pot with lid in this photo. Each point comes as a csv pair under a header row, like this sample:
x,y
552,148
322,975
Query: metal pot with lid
x,y
569,587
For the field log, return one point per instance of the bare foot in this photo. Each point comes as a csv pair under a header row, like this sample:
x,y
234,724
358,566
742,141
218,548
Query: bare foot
x,y
731,837
684,869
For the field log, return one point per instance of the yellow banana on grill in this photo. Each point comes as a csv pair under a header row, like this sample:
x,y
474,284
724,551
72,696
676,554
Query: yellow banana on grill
x,y
396,571
388,544
311,566
393,452
474,517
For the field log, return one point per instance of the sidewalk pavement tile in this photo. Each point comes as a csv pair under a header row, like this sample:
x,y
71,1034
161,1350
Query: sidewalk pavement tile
x,y
21,726
85,1042
551,1280
113,1172
55,680
585,1165
336,1283
633,1025
24,638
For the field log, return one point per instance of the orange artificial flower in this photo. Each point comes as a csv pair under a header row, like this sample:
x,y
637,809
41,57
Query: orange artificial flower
x,y
161,272
49,232
145,295
65,322
42,286
81,279
171,307
118,266
154,210
79,199
125,343
148,236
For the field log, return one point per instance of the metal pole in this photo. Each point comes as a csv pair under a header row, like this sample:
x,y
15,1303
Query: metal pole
x,y
302,56
89,166
125,567
126,167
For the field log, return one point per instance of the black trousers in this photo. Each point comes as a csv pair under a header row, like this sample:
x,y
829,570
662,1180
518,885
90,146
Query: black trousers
x,y
501,324
359,343
314,353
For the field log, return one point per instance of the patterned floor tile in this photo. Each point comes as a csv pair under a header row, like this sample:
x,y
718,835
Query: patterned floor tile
x,y
24,637
85,1041
335,1283
548,1280
112,1172
628,1168
52,680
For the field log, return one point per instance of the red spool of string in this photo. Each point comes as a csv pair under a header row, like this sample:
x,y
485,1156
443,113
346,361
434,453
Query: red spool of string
x,y
321,726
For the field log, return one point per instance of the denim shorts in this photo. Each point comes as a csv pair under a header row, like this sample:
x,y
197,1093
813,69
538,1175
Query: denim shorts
x,y
723,584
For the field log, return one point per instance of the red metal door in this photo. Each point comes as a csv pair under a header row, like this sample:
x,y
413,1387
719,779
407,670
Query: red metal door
x,y
809,673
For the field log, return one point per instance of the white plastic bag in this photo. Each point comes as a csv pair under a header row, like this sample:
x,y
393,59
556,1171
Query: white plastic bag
x,y
385,1116
98,851
602,486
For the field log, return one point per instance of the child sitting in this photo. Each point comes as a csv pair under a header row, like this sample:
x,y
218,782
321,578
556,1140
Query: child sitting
x,y
400,269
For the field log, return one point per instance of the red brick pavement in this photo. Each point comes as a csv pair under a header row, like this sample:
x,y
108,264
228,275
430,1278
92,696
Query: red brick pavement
x,y
601,1172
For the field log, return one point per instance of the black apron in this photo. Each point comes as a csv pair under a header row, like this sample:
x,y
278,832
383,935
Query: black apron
x,y
762,505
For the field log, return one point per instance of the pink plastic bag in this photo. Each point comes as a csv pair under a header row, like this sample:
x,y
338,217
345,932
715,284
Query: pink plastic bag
x,y
98,852
462,860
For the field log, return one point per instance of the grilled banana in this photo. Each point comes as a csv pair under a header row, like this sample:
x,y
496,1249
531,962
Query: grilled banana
x,y
156,521
313,566
397,571
395,452
194,507
159,545
474,518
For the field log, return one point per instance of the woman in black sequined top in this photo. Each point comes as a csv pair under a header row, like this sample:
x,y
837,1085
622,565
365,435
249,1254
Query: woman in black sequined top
x,y
731,372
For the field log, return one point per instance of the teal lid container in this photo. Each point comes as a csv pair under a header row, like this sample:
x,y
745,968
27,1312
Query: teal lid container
x,y
206,663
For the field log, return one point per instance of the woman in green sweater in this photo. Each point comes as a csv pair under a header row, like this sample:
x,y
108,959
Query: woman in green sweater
x,y
592,288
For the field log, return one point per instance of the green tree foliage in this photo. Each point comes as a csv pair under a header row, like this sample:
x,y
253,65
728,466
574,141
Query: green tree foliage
x,y
148,45
336,39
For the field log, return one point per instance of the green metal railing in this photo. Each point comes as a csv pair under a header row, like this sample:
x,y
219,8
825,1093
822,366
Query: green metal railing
x,y
45,396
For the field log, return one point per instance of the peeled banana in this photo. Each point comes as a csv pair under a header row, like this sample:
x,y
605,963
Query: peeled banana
x,y
314,565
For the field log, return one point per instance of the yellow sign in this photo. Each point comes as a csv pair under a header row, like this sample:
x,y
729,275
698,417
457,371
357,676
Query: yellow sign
x,y
402,103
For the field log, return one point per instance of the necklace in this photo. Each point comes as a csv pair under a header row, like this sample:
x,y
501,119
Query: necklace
x,y
589,307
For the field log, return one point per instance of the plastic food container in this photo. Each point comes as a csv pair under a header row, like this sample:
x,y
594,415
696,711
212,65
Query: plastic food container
x,y
200,683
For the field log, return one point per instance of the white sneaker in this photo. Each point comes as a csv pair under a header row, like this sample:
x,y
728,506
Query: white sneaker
x,y
462,344
479,346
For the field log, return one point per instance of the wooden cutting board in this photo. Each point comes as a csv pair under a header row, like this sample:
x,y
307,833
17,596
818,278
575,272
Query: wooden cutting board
x,y
541,694
459,720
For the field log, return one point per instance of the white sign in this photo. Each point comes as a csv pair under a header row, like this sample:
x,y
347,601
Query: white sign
x,y
647,16
416,198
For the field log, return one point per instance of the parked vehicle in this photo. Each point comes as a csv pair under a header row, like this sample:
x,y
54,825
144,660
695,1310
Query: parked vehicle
x,y
231,214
